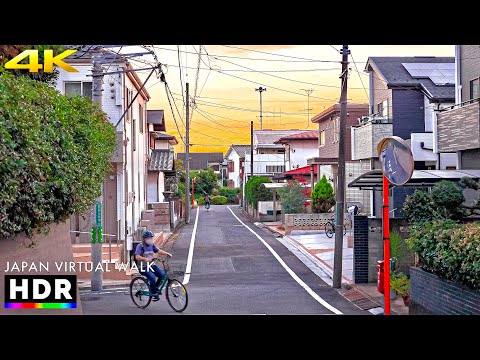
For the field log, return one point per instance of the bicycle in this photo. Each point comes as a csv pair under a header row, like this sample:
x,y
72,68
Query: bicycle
x,y
176,293
330,228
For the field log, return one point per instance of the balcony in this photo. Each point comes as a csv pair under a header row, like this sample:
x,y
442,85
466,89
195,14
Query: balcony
x,y
266,164
459,127
366,136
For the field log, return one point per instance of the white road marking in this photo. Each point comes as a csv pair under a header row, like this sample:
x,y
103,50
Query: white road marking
x,y
290,271
186,279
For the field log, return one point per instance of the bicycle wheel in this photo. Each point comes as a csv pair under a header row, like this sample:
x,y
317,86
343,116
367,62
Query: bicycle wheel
x,y
140,292
176,295
329,229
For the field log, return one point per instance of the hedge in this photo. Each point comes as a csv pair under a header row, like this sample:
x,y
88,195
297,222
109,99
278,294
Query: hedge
x,y
230,194
54,153
255,191
214,200
449,250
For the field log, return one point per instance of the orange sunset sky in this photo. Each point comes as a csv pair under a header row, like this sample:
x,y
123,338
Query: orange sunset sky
x,y
226,100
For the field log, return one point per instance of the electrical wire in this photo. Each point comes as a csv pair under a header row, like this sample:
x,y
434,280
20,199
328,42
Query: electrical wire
x,y
180,68
361,80
173,113
214,121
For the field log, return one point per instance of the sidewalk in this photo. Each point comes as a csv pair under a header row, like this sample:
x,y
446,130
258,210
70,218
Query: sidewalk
x,y
316,251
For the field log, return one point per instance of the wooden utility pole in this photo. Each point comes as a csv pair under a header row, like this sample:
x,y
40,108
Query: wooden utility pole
x,y
251,149
340,196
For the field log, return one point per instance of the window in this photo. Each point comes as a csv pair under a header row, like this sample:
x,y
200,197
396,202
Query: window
x,y
140,117
382,108
474,93
231,166
322,138
275,168
336,128
73,88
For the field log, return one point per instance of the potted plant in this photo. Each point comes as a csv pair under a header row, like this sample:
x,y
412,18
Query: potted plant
x,y
401,284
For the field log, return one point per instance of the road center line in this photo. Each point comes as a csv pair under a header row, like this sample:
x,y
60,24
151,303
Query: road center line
x,y
186,279
290,271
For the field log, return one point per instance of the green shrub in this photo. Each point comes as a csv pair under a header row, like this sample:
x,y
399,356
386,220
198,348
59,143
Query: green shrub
x,y
292,198
447,199
54,153
218,200
449,250
400,283
230,194
322,196
418,207
201,201
255,191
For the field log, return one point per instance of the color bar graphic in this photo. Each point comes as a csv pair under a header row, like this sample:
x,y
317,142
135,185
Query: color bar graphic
x,y
40,305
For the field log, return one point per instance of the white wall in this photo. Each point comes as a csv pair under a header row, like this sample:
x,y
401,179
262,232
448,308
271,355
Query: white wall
x,y
261,161
152,187
428,109
300,151
420,154
162,145
235,174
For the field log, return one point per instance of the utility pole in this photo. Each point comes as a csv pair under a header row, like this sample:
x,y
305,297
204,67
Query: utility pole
x,y
340,196
187,156
251,149
260,89
308,91
97,233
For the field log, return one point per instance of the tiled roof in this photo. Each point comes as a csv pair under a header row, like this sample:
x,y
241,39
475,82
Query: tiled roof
x,y
199,161
307,135
268,137
241,150
395,74
161,160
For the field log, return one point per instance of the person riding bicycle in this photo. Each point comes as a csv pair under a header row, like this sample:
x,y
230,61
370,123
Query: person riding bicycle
x,y
144,254
206,199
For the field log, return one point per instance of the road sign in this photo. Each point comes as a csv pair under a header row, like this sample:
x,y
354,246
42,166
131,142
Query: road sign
x,y
98,214
396,158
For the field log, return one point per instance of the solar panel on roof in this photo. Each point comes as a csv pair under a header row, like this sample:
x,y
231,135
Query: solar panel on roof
x,y
439,73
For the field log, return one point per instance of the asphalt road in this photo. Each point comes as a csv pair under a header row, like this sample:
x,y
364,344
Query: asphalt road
x,y
233,272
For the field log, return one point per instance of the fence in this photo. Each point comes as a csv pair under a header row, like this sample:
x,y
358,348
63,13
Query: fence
x,y
311,221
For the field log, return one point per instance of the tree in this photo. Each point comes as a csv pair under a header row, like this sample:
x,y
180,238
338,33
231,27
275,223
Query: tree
x,y
206,180
292,197
55,151
322,196
255,191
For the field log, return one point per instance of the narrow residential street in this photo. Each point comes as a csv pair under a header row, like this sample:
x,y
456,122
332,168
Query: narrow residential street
x,y
233,272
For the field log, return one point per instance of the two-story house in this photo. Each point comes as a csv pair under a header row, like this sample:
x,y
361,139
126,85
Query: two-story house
x,y
405,95
458,128
124,195
326,156
235,157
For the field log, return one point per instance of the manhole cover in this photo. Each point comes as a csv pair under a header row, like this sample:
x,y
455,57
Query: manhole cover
x,y
360,299
91,298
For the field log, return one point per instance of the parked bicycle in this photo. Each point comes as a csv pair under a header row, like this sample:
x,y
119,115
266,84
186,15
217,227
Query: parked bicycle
x,y
176,293
330,228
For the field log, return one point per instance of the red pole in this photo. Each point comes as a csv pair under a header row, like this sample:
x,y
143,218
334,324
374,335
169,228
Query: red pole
x,y
386,248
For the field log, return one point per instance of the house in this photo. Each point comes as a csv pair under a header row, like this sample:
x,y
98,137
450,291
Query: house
x,y
326,156
161,165
124,196
458,127
299,147
235,157
268,156
405,95
205,160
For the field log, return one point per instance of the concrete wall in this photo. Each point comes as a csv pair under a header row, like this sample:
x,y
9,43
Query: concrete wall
x,y
49,248
432,295
471,159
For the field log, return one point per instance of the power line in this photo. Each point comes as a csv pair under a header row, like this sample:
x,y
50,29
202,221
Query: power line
x,y
279,77
334,48
254,59
266,71
173,113
180,68
366,93
287,56
214,121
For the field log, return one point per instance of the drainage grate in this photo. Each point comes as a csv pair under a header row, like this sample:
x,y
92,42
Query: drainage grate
x,y
359,299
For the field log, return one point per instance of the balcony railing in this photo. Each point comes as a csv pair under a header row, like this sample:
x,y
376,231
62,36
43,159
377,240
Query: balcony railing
x,y
367,135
